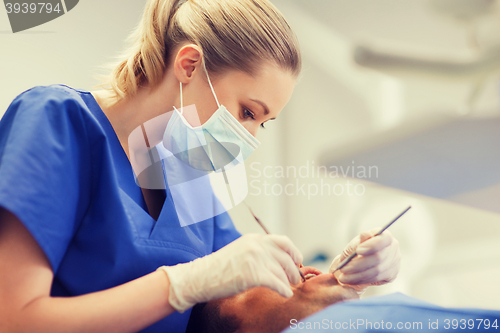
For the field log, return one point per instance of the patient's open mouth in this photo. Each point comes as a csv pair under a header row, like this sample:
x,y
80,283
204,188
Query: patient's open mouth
x,y
310,272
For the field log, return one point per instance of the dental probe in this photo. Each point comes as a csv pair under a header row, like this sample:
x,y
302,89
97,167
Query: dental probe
x,y
267,232
352,255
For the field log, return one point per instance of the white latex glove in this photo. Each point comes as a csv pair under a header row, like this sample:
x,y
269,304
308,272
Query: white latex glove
x,y
250,261
377,262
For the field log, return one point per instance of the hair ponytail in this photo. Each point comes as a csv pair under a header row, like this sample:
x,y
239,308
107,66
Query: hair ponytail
x,y
144,60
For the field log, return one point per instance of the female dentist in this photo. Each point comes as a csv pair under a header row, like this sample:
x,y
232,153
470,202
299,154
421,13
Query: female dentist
x,y
82,247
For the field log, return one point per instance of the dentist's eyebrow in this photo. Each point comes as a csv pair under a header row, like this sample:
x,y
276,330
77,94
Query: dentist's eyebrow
x,y
266,109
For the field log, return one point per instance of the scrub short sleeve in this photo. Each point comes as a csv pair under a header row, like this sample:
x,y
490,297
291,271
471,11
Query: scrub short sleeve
x,y
45,166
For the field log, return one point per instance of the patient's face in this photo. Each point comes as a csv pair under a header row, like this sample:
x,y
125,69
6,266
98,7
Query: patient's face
x,y
263,310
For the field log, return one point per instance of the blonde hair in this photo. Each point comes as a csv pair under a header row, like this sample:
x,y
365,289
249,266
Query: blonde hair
x,y
233,34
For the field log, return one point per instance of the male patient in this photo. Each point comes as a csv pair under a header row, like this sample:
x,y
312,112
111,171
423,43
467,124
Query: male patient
x,y
263,310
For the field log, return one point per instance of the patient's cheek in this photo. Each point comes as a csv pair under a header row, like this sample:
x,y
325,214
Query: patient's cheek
x,y
251,303
231,306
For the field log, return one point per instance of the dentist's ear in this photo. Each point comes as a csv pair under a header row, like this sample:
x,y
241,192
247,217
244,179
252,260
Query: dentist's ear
x,y
188,59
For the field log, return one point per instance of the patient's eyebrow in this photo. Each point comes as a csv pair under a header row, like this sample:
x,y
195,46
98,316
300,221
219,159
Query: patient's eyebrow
x,y
266,109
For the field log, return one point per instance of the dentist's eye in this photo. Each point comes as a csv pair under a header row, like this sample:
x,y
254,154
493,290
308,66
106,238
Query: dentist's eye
x,y
248,114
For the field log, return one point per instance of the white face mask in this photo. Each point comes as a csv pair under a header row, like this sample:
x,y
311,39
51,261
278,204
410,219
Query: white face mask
x,y
219,143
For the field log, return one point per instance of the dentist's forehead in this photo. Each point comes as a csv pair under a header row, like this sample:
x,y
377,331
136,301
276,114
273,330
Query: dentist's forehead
x,y
270,86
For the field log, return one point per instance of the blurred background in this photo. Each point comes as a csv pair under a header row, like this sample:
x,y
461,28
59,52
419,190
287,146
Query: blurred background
x,y
398,104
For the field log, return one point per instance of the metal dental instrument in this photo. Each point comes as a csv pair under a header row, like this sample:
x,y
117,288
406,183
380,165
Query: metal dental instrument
x,y
354,254
267,232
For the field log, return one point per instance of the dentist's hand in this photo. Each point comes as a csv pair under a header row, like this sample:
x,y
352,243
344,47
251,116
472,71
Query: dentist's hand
x,y
250,261
377,262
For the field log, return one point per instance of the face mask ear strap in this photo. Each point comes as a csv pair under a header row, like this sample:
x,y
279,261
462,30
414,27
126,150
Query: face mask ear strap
x,y
182,109
210,83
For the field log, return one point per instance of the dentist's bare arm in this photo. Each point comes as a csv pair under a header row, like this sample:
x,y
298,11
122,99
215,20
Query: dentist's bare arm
x,y
26,304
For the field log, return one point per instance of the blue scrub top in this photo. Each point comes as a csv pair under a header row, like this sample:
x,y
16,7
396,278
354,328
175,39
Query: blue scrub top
x,y
64,174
